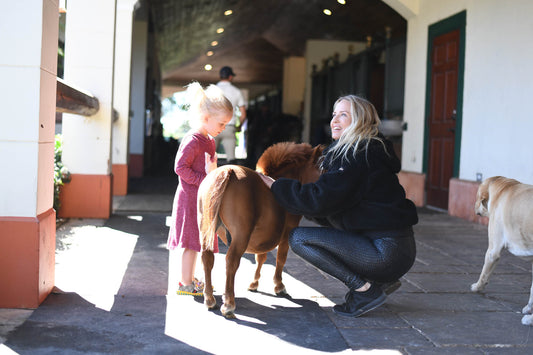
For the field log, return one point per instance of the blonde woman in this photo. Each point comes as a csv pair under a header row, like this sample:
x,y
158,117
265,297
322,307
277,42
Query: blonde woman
x,y
366,240
210,113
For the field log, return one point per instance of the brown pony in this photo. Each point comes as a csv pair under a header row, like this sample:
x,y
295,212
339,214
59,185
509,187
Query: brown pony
x,y
235,203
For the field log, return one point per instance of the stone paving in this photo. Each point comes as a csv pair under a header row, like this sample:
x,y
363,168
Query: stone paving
x,y
112,282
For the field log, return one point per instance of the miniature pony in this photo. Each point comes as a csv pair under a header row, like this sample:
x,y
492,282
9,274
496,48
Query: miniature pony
x,y
234,203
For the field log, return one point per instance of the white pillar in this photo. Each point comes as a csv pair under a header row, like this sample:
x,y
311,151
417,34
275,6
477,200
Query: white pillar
x,y
28,65
89,56
121,95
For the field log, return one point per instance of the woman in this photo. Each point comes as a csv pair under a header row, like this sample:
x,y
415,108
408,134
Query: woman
x,y
367,240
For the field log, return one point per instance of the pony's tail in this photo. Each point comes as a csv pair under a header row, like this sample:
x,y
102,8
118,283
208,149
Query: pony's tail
x,y
208,208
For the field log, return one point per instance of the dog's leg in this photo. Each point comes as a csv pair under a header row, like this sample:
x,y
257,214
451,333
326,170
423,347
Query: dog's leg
x,y
527,319
529,307
492,256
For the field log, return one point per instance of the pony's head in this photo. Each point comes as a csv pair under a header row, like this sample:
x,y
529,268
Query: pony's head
x,y
291,160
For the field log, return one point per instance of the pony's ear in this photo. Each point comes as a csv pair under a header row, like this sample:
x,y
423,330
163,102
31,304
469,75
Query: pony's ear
x,y
317,152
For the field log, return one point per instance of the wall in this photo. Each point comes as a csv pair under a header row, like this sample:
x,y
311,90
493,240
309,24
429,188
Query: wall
x,y
293,85
497,85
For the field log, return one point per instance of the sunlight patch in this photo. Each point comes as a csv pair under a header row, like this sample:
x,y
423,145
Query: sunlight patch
x,y
5,350
95,264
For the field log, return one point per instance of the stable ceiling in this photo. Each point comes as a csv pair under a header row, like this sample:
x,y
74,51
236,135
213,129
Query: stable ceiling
x,y
257,35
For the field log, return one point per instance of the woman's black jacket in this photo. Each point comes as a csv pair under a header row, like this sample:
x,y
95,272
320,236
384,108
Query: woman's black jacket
x,y
361,193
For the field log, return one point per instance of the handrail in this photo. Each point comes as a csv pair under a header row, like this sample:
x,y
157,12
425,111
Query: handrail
x,y
72,100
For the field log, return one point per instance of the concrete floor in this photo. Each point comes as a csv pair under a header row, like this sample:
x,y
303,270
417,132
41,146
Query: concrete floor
x,y
112,282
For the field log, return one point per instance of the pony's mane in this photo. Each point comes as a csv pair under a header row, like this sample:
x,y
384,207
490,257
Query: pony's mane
x,y
282,155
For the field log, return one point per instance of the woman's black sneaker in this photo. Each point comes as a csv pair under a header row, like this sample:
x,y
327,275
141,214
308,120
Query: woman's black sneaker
x,y
358,303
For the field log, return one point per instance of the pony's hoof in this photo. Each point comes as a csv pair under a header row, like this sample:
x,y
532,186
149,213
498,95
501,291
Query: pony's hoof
x,y
228,311
281,292
210,302
253,286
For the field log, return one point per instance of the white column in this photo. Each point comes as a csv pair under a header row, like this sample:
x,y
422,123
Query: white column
x,y
121,95
89,56
28,65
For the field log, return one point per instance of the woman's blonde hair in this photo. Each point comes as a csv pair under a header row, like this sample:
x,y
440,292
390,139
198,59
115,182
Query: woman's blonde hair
x,y
210,101
361,131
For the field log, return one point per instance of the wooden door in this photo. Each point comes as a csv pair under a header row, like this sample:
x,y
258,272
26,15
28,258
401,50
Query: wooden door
x,y
442,117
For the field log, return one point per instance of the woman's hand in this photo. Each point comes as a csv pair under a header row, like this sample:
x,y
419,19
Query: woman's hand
x,y
267,180
210,163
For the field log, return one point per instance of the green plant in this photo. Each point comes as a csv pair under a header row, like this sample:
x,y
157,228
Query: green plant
x,y
61,173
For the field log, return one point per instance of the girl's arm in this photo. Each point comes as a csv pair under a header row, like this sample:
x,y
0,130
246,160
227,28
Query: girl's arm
x,y
184,163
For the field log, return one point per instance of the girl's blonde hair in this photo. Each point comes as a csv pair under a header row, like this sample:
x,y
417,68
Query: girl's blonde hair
x,y
210,101
361,131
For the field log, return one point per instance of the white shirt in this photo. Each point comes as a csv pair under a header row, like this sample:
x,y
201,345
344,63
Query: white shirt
x,y
234,95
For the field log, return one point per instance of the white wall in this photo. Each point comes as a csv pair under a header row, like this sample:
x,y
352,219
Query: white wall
x,y
497,122
293,85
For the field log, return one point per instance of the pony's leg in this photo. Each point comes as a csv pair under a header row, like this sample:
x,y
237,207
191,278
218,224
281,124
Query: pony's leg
x,y
281,258
260,260
208,259
233,260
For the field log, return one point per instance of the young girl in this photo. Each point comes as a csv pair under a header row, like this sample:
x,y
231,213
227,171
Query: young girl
x,y
196,157
367,241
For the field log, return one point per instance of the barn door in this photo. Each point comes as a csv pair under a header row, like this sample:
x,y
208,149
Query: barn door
x,y
442,118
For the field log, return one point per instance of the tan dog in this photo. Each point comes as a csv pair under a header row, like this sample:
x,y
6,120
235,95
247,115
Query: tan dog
x,y
509,206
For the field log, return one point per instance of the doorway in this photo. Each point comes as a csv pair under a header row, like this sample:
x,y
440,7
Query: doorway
x,y
443,107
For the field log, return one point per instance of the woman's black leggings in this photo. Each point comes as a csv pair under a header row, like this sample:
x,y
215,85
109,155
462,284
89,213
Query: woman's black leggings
x,y
353,258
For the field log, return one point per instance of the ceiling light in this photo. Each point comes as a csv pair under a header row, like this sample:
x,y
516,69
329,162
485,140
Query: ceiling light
x,y
209,54
327,12
220,30
228,12
208,67
342,2
214,43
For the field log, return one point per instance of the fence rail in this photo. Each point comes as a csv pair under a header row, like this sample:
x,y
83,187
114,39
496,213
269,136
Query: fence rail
x,y
72,100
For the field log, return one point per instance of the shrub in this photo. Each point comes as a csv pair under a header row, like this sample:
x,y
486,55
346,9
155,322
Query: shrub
x,y
61,173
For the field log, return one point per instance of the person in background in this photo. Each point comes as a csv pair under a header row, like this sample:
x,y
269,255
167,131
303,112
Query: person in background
x,y
227,137
196,157
367,239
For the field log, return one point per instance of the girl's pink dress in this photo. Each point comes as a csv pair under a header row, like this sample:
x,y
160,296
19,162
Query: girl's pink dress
x,y
190,168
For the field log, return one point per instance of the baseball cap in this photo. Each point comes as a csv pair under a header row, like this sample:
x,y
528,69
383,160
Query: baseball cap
x,y
225,72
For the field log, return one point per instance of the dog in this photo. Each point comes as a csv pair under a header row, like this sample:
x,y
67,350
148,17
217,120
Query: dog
x,y
509,205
